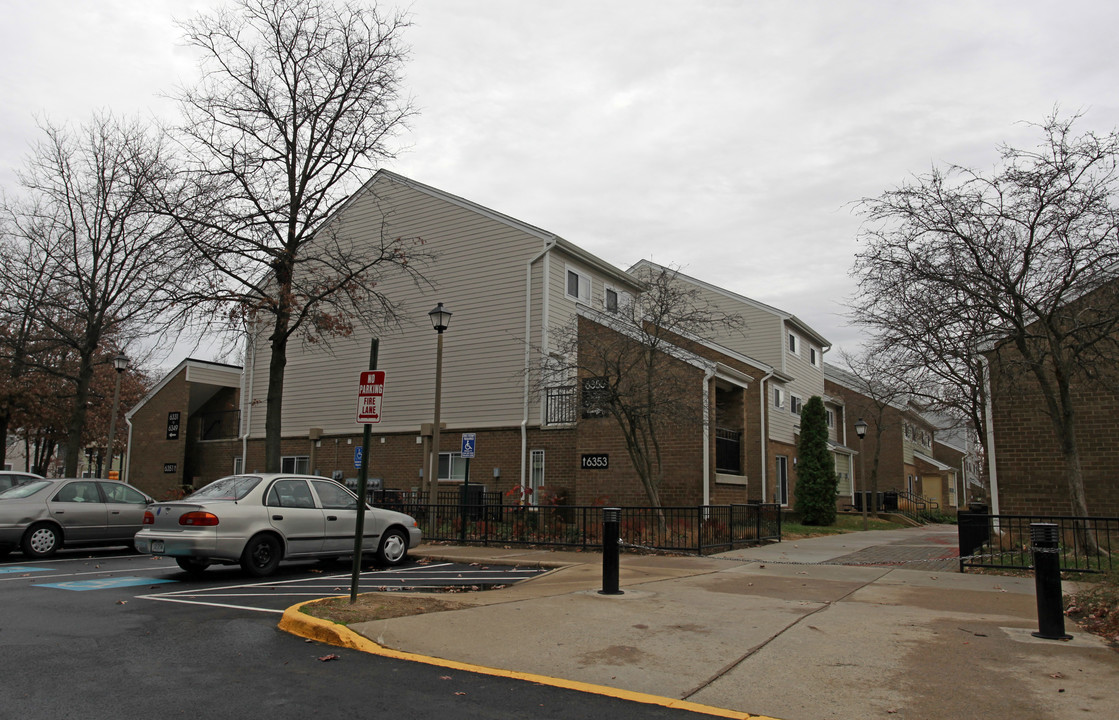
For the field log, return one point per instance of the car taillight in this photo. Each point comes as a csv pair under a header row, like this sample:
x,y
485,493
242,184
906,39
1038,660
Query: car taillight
x,y
198,518
149,519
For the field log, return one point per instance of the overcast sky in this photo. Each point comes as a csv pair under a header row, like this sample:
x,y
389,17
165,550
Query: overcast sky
x,y
728,138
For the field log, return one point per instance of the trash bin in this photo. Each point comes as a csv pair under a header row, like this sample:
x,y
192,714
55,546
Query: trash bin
x,y
890,501
974,528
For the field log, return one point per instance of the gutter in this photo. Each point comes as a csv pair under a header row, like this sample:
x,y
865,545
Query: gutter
x,y
528,348
988,417
707,376
764,423
128,454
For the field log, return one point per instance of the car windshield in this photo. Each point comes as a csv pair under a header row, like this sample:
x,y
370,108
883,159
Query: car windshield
x,y
25,490
228,488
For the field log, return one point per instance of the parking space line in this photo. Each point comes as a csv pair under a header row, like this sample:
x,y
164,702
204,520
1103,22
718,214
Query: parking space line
x,y
162,598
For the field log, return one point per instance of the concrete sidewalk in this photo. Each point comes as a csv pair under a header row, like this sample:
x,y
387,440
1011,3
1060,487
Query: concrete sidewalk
x,y
771,631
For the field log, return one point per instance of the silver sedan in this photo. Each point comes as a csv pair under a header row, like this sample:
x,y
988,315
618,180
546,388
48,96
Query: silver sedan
x,y
41,516
259,520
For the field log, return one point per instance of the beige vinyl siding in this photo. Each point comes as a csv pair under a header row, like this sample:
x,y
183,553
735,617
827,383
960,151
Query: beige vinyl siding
x,y
843,472
223,377
782,422
760,338
479,274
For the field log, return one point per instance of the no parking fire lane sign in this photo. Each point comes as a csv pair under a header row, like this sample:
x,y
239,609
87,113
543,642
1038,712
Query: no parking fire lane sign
x,y
371,389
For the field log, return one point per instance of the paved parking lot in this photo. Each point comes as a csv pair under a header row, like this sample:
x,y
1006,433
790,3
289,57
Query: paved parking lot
x,y
158,579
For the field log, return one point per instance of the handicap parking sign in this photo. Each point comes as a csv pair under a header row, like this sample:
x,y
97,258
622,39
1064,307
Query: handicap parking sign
x,y
468,444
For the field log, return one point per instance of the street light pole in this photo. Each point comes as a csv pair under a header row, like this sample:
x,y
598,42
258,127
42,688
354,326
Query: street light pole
x,y
860,430
120,362
440,318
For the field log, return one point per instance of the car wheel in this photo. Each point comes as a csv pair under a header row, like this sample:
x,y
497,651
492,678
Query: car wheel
x,y
261,556
194,566
41,540
394,547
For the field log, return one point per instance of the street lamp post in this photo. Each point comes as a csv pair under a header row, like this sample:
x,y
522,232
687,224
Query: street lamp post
x,y
860,430
120,362
440,318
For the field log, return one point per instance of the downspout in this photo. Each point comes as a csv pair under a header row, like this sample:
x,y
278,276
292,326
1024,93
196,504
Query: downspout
x,y
763,421
528,350
247,400
988,416
707,375
128,452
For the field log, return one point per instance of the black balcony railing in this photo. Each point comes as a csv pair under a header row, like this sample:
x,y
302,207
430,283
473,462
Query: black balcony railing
x,y
559,405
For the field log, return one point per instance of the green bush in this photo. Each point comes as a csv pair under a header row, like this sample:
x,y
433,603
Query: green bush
x,y
817,485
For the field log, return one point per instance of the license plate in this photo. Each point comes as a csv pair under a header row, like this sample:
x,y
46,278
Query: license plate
x,y
157,546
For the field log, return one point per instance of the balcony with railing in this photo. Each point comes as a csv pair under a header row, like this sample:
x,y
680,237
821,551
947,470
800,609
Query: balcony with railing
x,y
560,406
222,425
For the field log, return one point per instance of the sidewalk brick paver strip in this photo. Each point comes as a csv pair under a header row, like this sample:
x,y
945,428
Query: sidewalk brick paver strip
x,y
928,554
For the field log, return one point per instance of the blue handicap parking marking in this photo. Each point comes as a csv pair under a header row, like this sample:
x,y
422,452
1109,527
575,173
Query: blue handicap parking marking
x,y
21,568
104,583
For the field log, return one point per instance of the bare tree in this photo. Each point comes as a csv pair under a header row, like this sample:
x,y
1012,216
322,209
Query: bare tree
x,y
92,263
1020,262
297,98
631,366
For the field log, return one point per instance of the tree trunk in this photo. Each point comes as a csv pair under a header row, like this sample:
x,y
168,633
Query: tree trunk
x,y
273,413
5,419
76,426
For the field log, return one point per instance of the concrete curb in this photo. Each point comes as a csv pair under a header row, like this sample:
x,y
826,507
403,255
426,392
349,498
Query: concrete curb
x,y
299,623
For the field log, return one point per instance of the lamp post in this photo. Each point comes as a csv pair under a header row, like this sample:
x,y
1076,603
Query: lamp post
x,y
860,430
440,318
120,362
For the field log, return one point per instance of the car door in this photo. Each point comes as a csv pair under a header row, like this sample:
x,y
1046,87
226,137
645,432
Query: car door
x,y
292,510
125,508
340,511
78,507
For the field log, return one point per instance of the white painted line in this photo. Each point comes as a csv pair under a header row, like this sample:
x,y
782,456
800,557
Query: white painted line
x,y
221,605
35,576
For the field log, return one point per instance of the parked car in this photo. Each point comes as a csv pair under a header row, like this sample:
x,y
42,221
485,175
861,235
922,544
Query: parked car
x,y
258,520
41,516
11,478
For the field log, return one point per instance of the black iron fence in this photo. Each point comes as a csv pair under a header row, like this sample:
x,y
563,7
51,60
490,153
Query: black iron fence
x,y
1087,544
486,520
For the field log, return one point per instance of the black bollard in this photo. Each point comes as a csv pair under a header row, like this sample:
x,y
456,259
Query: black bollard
x,y
1047,582
611,518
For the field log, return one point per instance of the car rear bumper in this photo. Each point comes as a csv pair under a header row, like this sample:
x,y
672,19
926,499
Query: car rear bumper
x,y
190,544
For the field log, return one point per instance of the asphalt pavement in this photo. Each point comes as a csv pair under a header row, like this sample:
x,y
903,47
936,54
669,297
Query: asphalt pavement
x,y
860,625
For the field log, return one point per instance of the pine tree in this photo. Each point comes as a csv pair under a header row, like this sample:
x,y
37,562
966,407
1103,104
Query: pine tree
x,y
817,485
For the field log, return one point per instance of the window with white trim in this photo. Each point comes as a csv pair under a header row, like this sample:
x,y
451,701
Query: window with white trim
x,y
794,344
610,300
295,464
831,417
452,467
794,405
781,481
814,356
535,477
237,464
578,285
778,398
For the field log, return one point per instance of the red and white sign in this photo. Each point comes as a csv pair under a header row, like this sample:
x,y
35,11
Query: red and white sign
x,y
371,389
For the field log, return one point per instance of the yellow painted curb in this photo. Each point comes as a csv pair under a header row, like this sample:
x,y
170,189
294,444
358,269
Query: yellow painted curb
x,y
297,622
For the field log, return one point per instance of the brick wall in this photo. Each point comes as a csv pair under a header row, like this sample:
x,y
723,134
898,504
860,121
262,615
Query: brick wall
x,y
151,451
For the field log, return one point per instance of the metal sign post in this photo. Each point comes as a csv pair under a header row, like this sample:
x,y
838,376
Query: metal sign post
x,y
469,442
371,387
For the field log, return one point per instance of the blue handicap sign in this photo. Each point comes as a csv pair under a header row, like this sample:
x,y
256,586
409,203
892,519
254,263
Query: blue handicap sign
x,y
21,569
104,583
357,458
468,442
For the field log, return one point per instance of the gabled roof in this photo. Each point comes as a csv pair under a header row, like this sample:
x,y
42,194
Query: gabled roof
x,y
550,239
787,317
233,378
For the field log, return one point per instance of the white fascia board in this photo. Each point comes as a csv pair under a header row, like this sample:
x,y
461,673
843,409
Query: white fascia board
x,y
932,461
184,365
735,377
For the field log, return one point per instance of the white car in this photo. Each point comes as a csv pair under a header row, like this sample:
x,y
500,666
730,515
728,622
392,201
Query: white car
x,y
258,520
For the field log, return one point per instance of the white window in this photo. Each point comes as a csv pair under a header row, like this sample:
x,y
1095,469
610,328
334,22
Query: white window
x,y
295,464
578,285
452,467
536,477
831,417
778,397
794,405
782,479
237,463
814,356
794,343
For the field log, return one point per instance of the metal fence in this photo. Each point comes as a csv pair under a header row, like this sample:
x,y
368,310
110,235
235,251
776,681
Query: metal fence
x,y
487,521
1087,544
